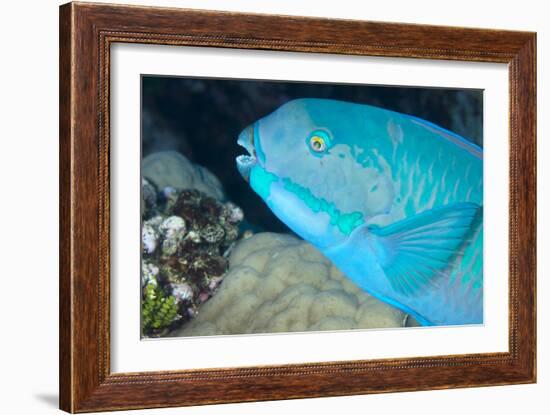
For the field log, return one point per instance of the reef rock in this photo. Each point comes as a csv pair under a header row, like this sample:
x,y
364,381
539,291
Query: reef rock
x,y
172,169
184,257
148,198
277,283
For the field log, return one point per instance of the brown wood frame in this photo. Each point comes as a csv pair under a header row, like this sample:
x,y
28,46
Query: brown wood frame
x,y
86,33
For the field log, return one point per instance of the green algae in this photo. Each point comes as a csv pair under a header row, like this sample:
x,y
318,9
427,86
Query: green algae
x,y
159,310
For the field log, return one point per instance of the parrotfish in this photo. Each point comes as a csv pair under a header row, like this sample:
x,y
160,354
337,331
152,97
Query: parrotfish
x,y
394,201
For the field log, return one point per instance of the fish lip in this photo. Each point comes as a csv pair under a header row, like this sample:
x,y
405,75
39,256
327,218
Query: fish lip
x,y
245,162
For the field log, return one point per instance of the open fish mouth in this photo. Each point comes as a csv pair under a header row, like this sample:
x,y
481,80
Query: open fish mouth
x,y
245,162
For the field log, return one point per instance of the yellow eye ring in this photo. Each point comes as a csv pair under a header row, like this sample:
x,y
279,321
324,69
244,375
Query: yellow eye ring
x,y
317,144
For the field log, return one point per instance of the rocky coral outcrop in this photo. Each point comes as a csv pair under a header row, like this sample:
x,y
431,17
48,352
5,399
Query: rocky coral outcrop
x,y
184,256
186,236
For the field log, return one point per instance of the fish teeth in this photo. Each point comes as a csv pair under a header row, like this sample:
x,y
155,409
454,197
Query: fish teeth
x,y
245,159
245,164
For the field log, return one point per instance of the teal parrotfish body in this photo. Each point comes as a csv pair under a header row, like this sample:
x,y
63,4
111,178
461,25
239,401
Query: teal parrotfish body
x,y
394,201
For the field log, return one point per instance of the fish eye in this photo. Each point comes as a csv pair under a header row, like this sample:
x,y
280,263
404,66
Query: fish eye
x,y
319,141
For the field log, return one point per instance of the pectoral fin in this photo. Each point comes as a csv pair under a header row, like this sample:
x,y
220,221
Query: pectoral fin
x,y
413,252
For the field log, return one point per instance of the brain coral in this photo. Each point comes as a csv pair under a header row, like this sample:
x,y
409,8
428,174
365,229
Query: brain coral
x,y
278,283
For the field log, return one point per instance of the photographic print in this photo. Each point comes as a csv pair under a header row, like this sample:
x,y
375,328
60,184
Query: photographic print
x,y
275,206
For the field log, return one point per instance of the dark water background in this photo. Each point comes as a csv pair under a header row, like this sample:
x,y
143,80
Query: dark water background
x,y
202,118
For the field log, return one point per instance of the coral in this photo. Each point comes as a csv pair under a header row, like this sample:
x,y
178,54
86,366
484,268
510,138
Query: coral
x,y
182,292
149,273
184,246
172,230
172,169
277,283
150,234
198,256
234,213
148,198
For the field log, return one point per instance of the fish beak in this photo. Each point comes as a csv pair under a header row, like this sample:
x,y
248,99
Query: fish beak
x,y
245,162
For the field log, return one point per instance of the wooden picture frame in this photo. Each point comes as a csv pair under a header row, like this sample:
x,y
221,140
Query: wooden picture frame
x,y
86,33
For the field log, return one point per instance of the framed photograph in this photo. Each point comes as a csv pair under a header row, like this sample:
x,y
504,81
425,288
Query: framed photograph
x,y
259,207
